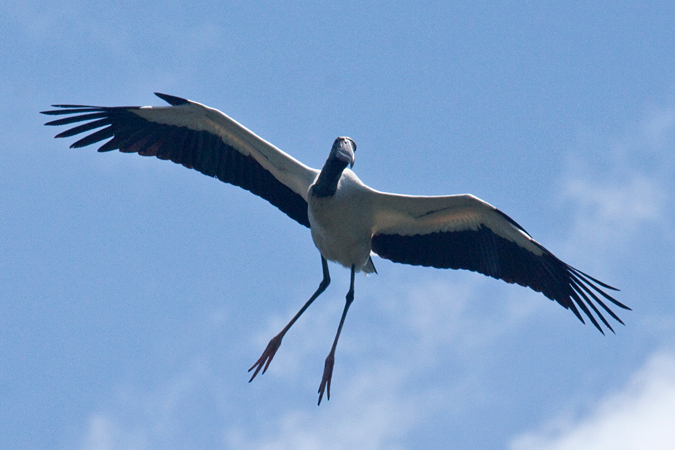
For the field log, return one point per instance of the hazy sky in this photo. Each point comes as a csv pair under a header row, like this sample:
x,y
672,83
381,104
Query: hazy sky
x,y
135,294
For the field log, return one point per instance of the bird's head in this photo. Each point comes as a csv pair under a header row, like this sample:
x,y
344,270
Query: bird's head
x,y
341,156
343,150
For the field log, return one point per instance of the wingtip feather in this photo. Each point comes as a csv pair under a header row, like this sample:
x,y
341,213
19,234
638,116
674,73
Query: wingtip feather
x,y
172,100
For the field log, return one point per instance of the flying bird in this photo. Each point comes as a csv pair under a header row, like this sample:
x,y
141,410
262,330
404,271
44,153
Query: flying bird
x,y
348,220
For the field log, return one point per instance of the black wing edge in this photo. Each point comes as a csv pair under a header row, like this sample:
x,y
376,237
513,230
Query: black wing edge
x,y
199,150
485,252
172,100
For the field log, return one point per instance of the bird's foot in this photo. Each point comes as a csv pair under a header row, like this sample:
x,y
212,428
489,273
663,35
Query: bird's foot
x,y
266,358
327,375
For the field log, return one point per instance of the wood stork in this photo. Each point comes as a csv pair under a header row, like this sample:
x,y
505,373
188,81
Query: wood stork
x,y
348,220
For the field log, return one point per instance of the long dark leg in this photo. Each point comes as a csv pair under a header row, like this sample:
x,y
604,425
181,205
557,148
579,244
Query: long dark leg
x,y
330,359
275,342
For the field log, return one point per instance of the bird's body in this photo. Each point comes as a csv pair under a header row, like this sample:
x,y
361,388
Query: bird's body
x,y
342,224
348,220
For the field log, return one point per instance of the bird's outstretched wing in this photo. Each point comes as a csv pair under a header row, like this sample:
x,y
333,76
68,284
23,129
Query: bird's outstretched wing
x,y
200,138
464,232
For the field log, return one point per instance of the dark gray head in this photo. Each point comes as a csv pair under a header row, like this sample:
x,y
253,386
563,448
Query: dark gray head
x,y
343,150
341,156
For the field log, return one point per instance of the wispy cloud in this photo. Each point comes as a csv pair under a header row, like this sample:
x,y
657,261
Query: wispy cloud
x,y
422,325
104,434
140,418
640,415
611,211
622,200
377,399
627,190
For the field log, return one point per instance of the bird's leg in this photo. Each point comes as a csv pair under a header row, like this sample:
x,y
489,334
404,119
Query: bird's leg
x,y
266,358
330,359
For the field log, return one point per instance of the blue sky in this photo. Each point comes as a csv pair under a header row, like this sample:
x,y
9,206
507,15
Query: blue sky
x,y
135,294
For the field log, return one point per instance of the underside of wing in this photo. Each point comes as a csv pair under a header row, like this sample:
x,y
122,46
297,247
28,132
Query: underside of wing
x,y
199,138
463,232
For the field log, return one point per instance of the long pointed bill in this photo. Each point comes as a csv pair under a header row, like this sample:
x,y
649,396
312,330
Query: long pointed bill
x,y
344,150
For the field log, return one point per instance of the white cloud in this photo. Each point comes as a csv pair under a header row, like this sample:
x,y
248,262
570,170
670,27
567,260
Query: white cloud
x,y
371,408
377,402
364,418
104,434
622,198
659,127
612,211
640,416
438,313
422,325
101,434
626,192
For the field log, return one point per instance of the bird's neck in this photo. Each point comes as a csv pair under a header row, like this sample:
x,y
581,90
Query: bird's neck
x,y
327,183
